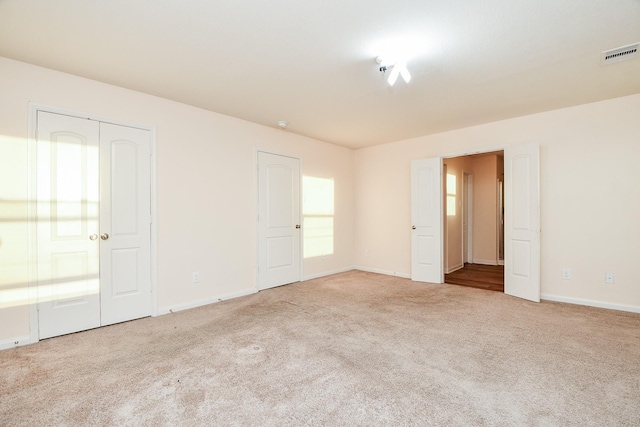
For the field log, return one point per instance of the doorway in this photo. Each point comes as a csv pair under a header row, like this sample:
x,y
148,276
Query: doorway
x,y
92,199
521,221
474,230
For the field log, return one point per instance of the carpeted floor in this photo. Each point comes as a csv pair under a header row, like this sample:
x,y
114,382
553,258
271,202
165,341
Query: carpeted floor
x,y
354,349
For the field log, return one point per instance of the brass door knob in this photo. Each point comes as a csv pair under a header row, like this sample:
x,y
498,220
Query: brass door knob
x,y
93,237
104,236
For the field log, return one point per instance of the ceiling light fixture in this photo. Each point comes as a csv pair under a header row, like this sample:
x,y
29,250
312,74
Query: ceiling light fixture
x,y
398,68
282,124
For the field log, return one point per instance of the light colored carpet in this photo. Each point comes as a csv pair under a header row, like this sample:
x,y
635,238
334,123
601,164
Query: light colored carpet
x,y
354,349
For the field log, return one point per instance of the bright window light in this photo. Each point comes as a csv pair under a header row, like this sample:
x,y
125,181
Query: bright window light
x,y
451,194
317,208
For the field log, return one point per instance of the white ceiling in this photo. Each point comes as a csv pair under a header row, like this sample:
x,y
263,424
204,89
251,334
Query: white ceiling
x,y
312,63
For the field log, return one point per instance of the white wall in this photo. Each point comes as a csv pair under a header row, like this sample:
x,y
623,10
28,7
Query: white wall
x,y
207,191
206,188
590,197
485,209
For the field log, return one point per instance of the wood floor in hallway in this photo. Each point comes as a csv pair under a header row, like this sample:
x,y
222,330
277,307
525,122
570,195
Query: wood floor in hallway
x,y
489,277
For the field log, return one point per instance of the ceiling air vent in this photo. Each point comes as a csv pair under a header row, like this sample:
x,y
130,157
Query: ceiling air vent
x,y
619,54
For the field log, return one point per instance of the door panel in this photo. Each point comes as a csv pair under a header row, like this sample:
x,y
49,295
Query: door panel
x,y
125,213
67,215
278,217
522,221
426,214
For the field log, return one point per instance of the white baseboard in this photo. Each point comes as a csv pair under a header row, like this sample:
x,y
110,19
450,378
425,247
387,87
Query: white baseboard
x,y
485,261
224,297
454,268
500,262
200,303
591,303
15,342
327,273
385,272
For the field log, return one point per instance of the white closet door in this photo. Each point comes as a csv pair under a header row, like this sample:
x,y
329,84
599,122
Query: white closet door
x,y
67,224
125,218
278,220
93,223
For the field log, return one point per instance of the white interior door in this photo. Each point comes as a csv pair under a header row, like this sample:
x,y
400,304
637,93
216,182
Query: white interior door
x,y
522,221
426,216
93,223
67,224
125,219
278,220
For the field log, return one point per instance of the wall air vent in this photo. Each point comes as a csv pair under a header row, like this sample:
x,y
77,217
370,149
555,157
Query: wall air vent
x,y
619,54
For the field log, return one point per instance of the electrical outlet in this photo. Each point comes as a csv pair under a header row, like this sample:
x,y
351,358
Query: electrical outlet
x,y
566,274
608,278
196,277
366,252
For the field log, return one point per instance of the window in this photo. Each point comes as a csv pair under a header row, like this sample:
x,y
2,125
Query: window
x,y
317,209
451,195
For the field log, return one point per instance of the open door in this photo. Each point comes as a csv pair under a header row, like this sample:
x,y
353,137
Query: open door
x,y
522,221
426,217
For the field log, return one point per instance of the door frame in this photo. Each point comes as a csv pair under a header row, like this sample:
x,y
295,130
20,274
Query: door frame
x,y
34,108
465,174
483,150
257,210
467,194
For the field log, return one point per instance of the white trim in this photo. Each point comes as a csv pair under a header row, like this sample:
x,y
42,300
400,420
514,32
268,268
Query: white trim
x,y
15,342
385,272
206,301
454,268
34,106
154,224
445,220
591,303
327,273
498,217
482,150
500,262
485,261
32,246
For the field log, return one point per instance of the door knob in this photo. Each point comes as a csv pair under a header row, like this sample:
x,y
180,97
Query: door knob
x,y
104,236
413,227
298,226
93,237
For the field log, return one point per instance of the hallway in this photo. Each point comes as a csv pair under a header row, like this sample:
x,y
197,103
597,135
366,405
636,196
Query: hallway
x,y
488,277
